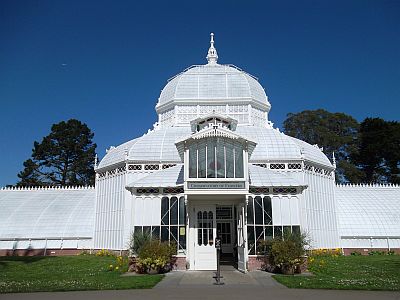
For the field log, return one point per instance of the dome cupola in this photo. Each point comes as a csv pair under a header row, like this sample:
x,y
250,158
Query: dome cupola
x,y
203,89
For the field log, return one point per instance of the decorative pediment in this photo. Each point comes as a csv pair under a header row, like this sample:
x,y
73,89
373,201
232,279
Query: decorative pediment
x,y
212,121
210,132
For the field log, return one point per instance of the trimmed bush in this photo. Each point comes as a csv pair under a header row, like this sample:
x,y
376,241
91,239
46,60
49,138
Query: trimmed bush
x,y
155,256
286,255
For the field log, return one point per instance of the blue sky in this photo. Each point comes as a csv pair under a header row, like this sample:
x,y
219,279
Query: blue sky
x,y
105,62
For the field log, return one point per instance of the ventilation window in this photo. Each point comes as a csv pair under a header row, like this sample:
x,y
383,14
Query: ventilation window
x,y
151,167
259,190
173,190
277,166
134,167
295,166
285,190
147,191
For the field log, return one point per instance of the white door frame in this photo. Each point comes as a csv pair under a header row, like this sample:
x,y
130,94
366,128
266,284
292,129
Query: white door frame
x,y
205,254
242,238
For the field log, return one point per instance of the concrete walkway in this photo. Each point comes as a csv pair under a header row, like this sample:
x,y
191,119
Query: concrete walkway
x,y
199,285
201,279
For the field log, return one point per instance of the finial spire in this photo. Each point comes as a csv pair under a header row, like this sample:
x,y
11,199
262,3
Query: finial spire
x,y
212,55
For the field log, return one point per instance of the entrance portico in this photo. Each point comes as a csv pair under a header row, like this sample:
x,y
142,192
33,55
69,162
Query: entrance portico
x,y
216,182
210,216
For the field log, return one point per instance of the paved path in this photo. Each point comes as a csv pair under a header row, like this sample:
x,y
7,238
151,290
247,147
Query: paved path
x,y
231,278
199,285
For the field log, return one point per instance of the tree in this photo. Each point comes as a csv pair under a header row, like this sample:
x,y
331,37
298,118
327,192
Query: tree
x,y
64,157
334,132
379,150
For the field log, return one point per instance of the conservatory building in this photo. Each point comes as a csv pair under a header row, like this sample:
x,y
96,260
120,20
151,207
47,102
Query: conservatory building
x,y
213,165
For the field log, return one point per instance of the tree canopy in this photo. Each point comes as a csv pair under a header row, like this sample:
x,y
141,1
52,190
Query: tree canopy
x,y
334,132
379,151
368,152
64,157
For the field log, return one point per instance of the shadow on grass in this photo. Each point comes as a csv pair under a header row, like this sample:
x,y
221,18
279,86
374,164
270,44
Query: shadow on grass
x,y
24,259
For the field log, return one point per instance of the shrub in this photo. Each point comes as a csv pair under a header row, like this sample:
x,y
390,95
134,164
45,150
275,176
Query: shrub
x,y
355,253
156,255
286,255
137,241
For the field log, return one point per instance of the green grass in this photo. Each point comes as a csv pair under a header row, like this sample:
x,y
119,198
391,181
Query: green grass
x,y
67,273
349,272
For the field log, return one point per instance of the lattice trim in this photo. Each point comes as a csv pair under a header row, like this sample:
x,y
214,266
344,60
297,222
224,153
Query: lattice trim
x,y
173,190
147,191
284,190
151,167
259,190
277,166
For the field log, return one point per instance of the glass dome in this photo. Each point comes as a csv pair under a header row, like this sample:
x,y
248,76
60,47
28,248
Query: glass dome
x,y
206,84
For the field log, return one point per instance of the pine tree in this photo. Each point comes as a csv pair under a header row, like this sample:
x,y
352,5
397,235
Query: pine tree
x,y
64,157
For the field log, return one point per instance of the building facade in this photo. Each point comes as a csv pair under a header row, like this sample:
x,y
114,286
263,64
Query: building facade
x,y
213,165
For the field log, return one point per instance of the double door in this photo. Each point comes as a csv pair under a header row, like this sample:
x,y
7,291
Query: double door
x,y
232,234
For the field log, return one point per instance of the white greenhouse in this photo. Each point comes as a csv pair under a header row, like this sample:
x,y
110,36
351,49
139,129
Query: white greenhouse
x,y
212,164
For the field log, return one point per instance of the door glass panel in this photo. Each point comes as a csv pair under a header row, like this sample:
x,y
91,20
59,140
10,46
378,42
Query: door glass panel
x,y
199,228
210,228
205,228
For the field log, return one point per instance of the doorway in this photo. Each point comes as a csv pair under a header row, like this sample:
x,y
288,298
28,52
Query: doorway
x,y
226,231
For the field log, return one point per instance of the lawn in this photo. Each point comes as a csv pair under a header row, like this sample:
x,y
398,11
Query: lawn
x,y
66,273
349,272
